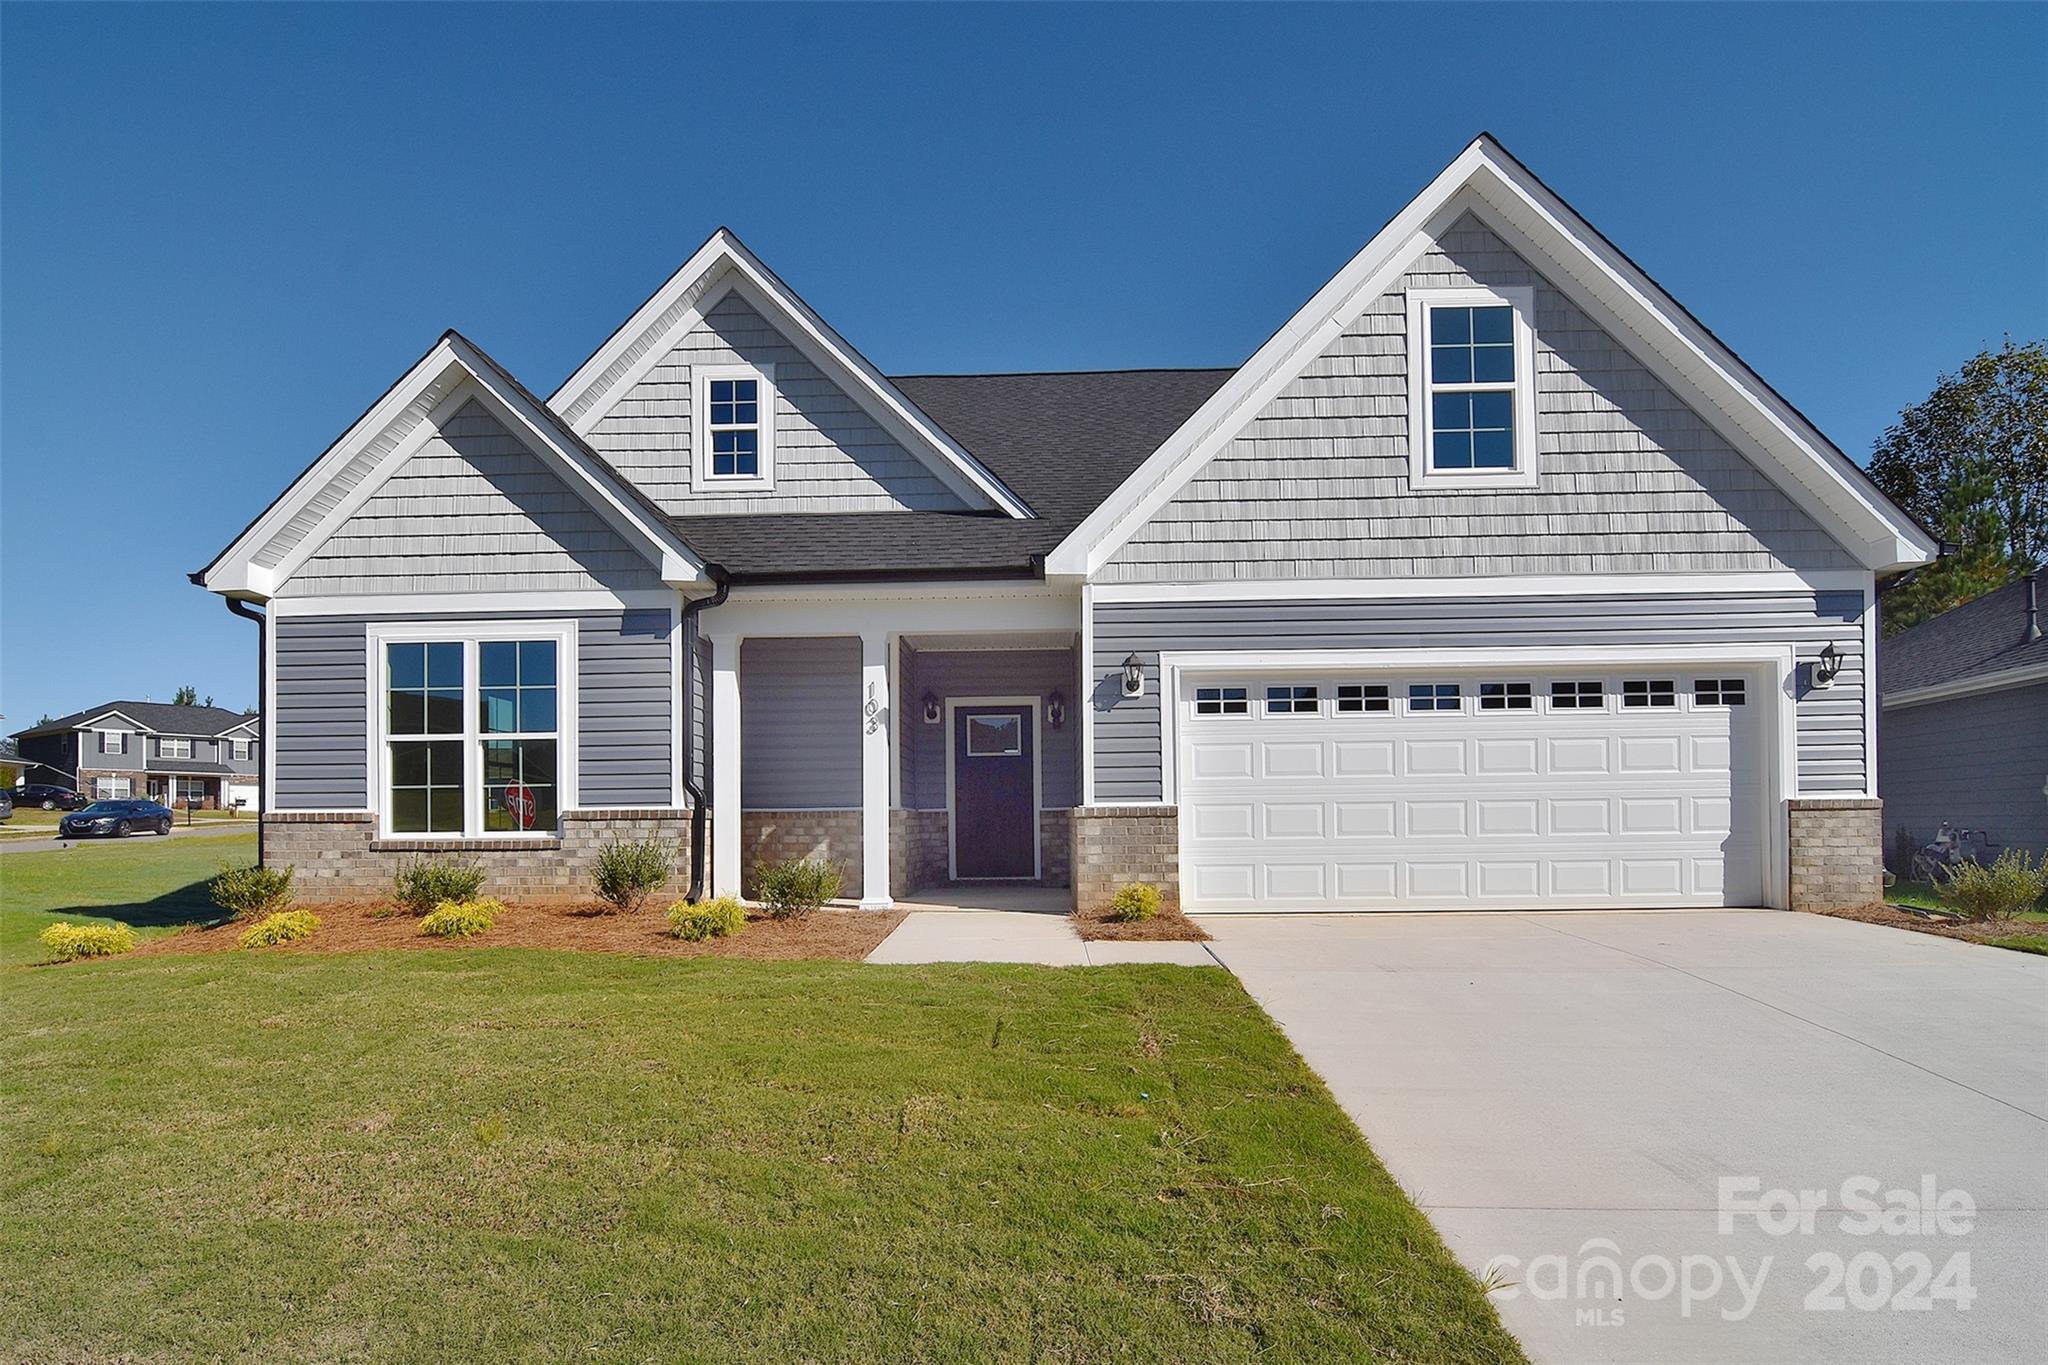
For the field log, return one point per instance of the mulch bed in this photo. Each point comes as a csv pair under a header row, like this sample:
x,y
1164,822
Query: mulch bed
x,y
357,926
1168,926
1939,926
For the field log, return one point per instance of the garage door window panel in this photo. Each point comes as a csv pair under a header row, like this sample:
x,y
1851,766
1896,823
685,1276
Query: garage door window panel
x,y
1293,700
1435,697
1641,693
1361,698
1222,701
1719,692
1578,695
1505,696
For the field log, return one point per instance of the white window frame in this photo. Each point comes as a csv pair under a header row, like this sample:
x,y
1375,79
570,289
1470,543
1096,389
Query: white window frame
x,y
103,788
702,479
170,747
470,634
238,750
1524,472
113,741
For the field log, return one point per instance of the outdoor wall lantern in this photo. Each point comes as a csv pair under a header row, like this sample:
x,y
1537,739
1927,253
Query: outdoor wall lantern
x,y
1134,677
1826,667
1056,709
930,704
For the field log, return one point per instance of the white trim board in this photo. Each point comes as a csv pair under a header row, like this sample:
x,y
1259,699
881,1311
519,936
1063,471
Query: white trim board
x,y
1485,180
1027,704
1964,687
1527,586
476,603
724,265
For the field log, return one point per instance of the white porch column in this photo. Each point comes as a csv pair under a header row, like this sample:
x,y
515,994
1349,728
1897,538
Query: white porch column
x,y
875,745
725,765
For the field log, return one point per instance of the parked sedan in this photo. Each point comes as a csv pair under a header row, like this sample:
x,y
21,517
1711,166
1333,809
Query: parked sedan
x,y
115,819
6,806
48,796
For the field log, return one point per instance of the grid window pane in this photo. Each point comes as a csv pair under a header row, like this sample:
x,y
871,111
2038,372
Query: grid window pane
x,y
519,785
425,696
1472,345
1472,430
1640,692
735,454
522,701
1292,701
1221,701
1359,697
1433,697
1719,692
1577,696
426,787
1514,696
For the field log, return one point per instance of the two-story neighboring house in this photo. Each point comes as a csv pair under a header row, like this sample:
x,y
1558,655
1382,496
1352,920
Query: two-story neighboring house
x,y
1492,580
203,755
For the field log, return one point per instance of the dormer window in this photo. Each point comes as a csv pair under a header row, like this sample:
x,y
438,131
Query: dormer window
x,y
1472,396
735,406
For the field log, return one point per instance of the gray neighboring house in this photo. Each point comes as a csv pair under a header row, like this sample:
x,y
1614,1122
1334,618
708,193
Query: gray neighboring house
x,y
1964,738
1492,580
205,755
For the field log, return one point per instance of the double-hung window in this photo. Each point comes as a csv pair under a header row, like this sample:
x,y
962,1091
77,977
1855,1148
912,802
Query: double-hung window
x,y
239,749
1472,394
735,426
174,748
113,741
475,730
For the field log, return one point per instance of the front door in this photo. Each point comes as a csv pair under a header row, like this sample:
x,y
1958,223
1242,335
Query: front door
x,y
995,799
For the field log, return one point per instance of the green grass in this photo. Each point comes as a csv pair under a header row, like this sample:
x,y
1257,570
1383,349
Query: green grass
x,y
155,885
1921,896
510,1155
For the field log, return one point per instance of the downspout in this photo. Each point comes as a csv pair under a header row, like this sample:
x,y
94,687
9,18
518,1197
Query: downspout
x,y
241,608
722,588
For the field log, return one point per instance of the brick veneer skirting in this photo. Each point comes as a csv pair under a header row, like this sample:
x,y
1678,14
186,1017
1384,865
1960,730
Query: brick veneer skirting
x,y
918,854
1837,847
1056,847
335,856
769,836
1114,846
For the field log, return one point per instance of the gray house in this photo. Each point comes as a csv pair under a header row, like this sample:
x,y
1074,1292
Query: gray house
x,y
1492,580
1964,700
202,755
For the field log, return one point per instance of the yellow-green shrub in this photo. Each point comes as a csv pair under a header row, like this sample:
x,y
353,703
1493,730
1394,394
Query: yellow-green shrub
x,y
461,919
706,919
1138,901
69,941
287,926
253,890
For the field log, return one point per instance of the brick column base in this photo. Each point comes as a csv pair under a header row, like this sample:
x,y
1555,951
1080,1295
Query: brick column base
x,y
1837,847
1114,846
771,836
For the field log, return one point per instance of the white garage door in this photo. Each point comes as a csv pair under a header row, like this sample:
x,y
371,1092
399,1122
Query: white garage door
x,y
1471,791
241,794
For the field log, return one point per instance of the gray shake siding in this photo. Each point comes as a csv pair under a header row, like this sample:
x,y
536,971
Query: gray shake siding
x,y
321,722
474,511
987,673
1977,762
830,456
1127,730
800,724
1632,480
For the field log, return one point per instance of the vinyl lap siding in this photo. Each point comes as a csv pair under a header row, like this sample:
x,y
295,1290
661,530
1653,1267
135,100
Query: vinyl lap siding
x,y
473,511
1127,731
830,456
624,699
1976,762
800,724
1632,480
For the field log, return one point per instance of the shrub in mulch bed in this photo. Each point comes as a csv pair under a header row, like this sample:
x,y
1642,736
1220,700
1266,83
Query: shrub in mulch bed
x,y
1169,925
358,926
2023,935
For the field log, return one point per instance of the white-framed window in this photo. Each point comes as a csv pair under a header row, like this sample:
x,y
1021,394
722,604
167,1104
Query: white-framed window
x,y
1293,699
174,748
1578,695
1641,692
475,727
1357,698
239,749
191,789
1719,692
1472,388
734,445
1505,696
1434,697
113,788
1222,701
113,741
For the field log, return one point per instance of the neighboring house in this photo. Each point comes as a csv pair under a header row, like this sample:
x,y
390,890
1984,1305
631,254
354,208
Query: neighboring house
x,y
1492,580
1965,733
202,755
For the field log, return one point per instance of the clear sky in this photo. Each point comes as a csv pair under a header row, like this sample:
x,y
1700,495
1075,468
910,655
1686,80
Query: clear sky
x,y
224,231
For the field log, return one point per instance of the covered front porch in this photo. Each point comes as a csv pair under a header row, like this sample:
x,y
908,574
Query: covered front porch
x,y
933,754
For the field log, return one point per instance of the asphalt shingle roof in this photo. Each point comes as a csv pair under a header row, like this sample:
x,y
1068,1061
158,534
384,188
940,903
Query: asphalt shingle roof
x,y
1974,640
1061,442
161,717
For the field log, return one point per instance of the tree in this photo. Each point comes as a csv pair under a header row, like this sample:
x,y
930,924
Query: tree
x,y
1970,462
186,696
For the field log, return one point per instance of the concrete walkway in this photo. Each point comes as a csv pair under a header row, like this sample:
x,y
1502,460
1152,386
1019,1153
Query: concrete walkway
x,y
1022,935
1571,1090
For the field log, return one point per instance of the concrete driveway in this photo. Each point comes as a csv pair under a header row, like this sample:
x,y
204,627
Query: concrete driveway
x,y
1571,1090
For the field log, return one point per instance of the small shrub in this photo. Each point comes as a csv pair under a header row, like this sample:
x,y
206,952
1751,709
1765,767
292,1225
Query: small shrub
x,y
794,887
461,919
252,890
2010,886
68,942
629,871
706,919
1138,901
423,883
286,927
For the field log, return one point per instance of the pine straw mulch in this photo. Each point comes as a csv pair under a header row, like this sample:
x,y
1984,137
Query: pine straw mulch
x,y
358,926
1925,922
1168,926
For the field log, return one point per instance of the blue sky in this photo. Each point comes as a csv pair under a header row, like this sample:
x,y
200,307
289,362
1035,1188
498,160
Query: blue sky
x,y
224,231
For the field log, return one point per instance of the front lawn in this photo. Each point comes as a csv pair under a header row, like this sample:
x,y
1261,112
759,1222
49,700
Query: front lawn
x,y
503,1154
156,885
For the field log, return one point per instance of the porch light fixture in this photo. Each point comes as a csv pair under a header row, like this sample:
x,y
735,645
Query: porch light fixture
x,y
1826,667
1134,677
930,704
1056,709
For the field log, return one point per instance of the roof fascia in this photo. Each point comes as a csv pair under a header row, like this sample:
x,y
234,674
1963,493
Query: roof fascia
x,y
721,265
2020,676
97,717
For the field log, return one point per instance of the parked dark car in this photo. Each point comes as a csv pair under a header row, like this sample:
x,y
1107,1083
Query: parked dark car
x,y
48,796
6,806
115,819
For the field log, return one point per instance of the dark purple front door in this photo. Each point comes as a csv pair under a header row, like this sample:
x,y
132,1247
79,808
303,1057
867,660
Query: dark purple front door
x,y
995,804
